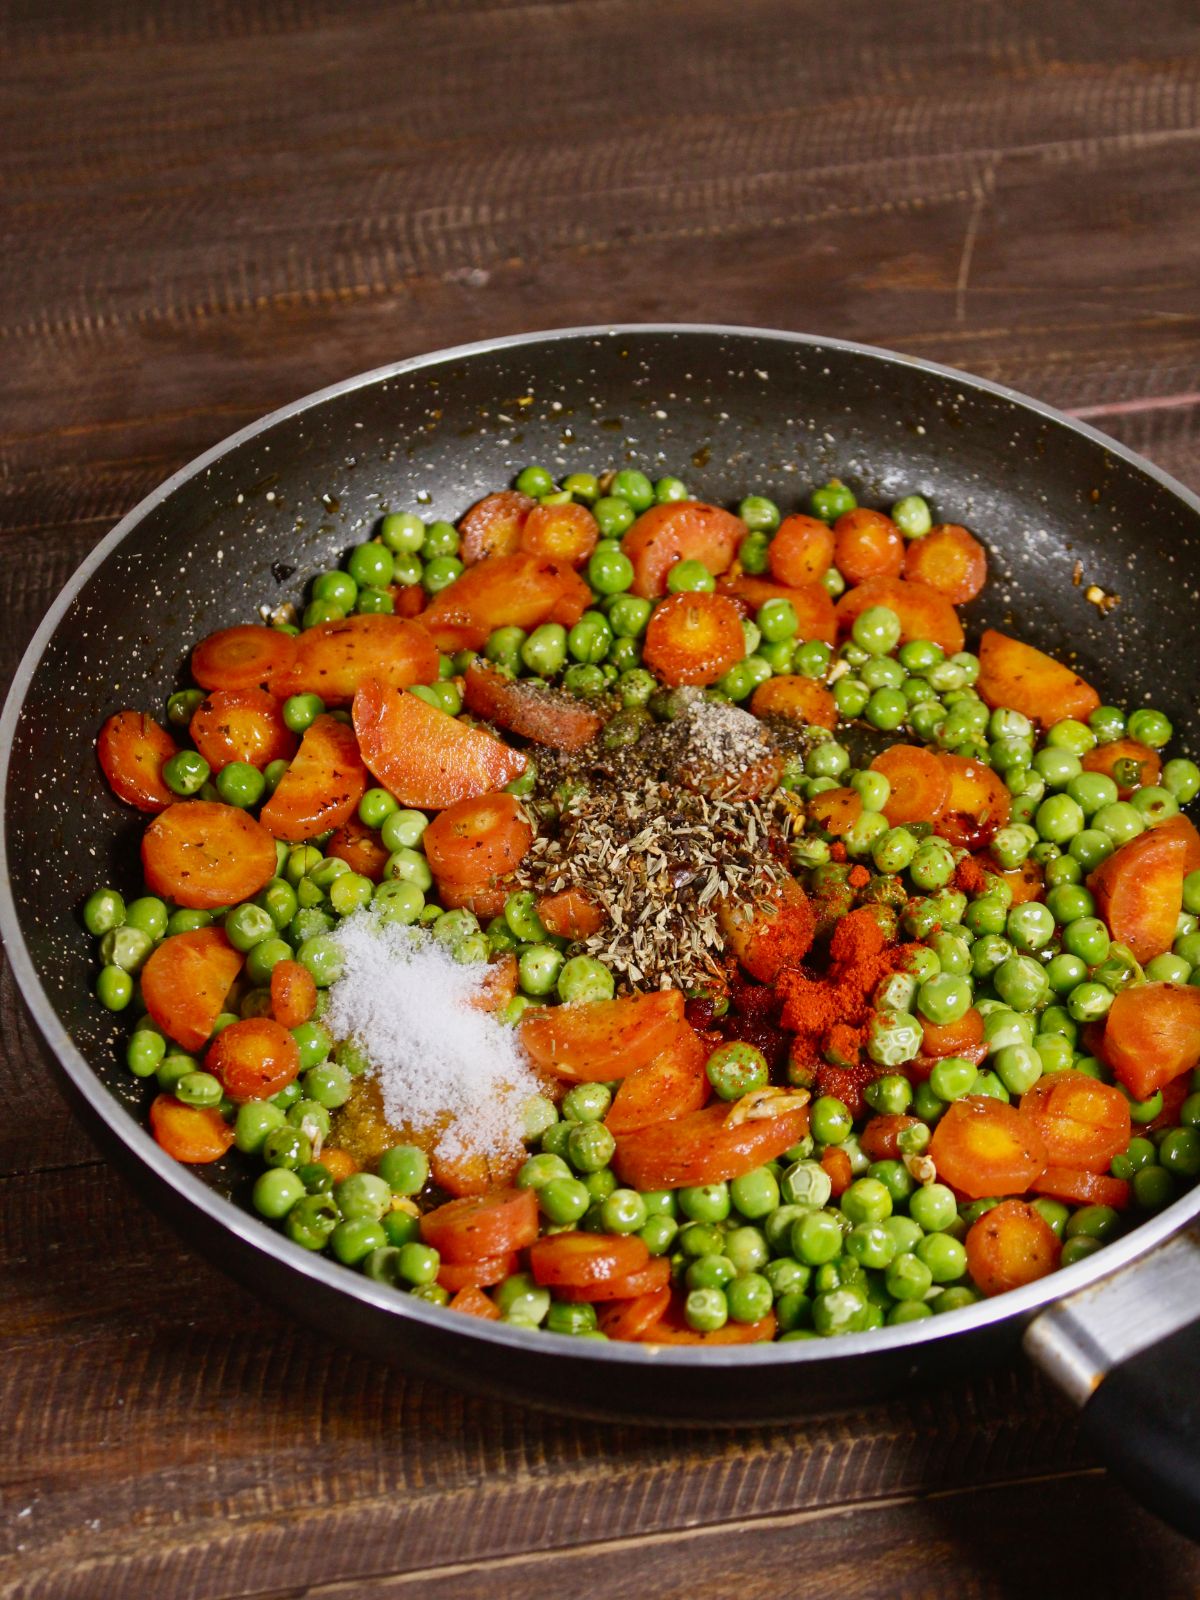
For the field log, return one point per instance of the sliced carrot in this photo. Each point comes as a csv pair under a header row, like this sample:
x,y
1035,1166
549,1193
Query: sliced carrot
x,y
983,1147
628,1320
360,848
1152,1035
472,1173
672,1328
332,659
952,1038
950,560
322,787
810,601
337,1162
670,1085
1083,1123
923,612
478,1226
474,841
492,527
426,757
1009,1246
566,533
1174,1094
650,1279
519,590
202,854
246,657
293,993
599,1040
880,1139
479,1274
1181,827
920,784
570,914
254,1058
194,1135
536,711
1015,674
835,1163
977,807
1139,891
574,595
474,1303
241,725
581,1260
485,899
499,982
866,544
836,810
185,982
801,550
704,1147
1025,883
682,530
797,699
131,750
408,599
693,638
771,933
1143,764
1083,1188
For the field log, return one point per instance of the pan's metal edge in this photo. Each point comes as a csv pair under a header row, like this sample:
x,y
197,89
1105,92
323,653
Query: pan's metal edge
x,y
1017,1306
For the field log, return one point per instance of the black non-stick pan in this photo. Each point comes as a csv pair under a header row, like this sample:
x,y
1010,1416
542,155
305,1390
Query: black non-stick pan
x,y
727,410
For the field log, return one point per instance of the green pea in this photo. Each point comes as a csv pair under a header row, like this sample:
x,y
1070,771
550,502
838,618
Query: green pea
x,y
590,1146
832,500
912,516
1179,1152
933,1208
275,1192
623,1211
126,948
705,1202
563,1200
609,569
614,515
755,1194
634,488
586,1102
1182,779
932,866
1150,727
323,958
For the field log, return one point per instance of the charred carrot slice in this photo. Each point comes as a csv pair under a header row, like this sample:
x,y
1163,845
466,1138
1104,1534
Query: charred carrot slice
x,y
548,716
185,982
866,544
242,658
479,839
131,750
693,638
570,914
949,559
322,787
977,807
1014,674
708,1146
360,848
1010,1245
426,757
241,725
492,527
984,1147
293,993
478,1226
801,550
333,659
920,784
1139,891
202,854
796,699
598,1040
195,1135
923,612
670,1085
1152,1035
566,533
254,1058
686,530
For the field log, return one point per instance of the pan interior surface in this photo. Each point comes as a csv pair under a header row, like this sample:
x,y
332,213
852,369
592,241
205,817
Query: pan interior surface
x,y
728,411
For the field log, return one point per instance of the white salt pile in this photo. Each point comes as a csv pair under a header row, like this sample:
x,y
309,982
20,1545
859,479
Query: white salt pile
x,y
444,1067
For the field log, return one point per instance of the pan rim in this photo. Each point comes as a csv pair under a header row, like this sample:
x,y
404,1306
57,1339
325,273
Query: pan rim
x,y
250,1232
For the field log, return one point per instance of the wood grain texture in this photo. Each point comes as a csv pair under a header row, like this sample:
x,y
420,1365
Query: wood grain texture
x,y
208,210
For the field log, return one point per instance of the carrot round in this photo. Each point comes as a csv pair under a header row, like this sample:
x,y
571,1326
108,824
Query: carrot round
x,y
672,1328
1152,1035
866,544
836,810
1139,891
241,725
195,1135
797,699
1140,759
333,658
476,840
940,1039
574,594
472,1173
254,1058
185,982
481,1274
977,807
599,1040
628,1320
835,1163
478,1226
693,638
801,550
1181,827
923,612
246,657
920,784
565,533
570,914
880,1139
770,933
486,898
649,1279
704,1147
671,1084
1025,882
337,1162
1082,1188
360,848
810,601
984,1147
1010,1245
131,750
202,854
682,530
581,1260
293,993
1083,1123
1014,674
426,757
950,560
492,527
548,716
473,1302
322,787
518,590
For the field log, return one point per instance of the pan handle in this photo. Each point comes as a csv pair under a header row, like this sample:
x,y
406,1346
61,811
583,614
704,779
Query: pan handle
x,y
1127,1352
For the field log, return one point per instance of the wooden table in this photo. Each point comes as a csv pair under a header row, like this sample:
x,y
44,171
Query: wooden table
x,y
210,209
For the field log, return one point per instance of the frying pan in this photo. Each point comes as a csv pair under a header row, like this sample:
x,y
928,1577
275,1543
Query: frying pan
x,y
728,410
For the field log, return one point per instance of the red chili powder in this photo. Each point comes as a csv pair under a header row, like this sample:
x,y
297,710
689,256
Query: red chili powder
x,y
970,877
